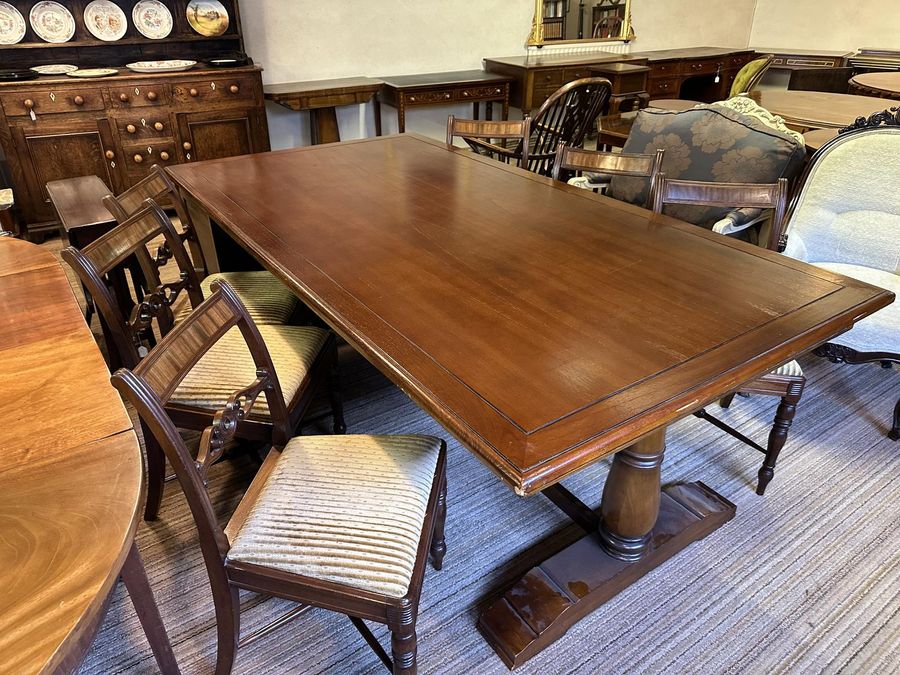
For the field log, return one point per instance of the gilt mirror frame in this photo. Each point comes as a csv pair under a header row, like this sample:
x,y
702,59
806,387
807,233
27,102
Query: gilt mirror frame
x,y
538,39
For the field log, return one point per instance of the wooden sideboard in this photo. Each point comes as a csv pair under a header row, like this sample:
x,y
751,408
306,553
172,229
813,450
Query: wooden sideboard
x,y
118,127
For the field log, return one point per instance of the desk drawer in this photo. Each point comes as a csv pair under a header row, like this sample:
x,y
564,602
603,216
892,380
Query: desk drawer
x,y
668,87
330,100
663,68
428,97
481,93
704,67
75,99
570,74
548,78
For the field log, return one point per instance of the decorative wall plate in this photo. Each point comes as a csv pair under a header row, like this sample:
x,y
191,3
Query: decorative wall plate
x,y
105,20
152,19
12,24
52,22
54,69
207,17
93,72
168,66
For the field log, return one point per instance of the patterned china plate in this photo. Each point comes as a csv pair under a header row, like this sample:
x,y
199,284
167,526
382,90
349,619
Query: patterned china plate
x,y
207,17
168,66
152,19
52,22
93,72
12,24
54,69
105,20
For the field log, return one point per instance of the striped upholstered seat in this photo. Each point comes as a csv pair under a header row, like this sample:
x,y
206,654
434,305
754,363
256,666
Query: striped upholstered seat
x,y
228,366
267,300
344,509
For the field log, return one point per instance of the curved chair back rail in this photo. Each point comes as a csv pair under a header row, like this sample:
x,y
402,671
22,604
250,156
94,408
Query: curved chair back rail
x,y
71,470
480,134
569,160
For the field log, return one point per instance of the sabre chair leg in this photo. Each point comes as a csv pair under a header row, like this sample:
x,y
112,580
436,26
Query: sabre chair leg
x,y
784,416
156,475
228,631
334,396
438,543
403,643
725,401
894,433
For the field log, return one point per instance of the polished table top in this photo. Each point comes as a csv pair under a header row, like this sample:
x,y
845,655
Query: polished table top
x,y
70,469
543,325
818,109
888,83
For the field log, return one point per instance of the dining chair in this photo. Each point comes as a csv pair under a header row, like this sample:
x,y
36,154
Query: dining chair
x,y
845,218
787,381
750,75
345,523
305,356
481,134
266,298
596,167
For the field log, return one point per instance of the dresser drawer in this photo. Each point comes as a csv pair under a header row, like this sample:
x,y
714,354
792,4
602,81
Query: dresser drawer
x,y
201,93
663,68
704,67
46,102
138,158
667,86
153,125
139,95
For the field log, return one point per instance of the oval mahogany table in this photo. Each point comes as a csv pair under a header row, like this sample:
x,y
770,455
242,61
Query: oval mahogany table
x,y
882,85
71,477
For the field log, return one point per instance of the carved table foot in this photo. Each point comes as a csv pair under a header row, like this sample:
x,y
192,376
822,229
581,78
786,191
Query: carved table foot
x,y
641,527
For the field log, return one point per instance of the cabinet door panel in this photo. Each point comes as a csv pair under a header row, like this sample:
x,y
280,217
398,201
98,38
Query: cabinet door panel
x,y
221,134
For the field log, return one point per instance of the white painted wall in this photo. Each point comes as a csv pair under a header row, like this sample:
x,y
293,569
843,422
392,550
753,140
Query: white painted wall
x,y
305,40
825,24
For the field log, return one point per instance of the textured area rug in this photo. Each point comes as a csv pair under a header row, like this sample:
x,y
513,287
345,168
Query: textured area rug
x,y
805,579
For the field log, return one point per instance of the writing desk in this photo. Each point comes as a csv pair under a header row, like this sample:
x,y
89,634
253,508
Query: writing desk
x,y
71,475
544,326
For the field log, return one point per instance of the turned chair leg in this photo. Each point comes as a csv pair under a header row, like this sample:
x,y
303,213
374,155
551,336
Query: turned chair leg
x,y
777,437
403,643
894,433
334,396
438,543
156,476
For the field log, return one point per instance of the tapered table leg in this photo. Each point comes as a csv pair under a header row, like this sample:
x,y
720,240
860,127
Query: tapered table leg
x,y
135,578
639,528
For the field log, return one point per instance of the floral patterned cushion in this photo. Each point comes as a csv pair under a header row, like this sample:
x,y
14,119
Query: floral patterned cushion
x,y
709,143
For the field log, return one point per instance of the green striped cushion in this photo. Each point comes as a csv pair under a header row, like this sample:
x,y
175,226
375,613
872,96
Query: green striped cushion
x,y
228,366
267,300
345,509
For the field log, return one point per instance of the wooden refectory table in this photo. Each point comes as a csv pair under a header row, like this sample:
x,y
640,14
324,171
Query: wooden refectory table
x,y
544,326
71,477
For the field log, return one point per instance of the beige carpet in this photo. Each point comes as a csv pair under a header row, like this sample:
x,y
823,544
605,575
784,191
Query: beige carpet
x,y
803,580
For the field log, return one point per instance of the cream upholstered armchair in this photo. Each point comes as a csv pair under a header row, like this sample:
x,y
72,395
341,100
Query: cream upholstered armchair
x,y
846,219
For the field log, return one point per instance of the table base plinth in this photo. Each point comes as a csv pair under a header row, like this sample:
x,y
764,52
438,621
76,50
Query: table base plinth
x,y
568,586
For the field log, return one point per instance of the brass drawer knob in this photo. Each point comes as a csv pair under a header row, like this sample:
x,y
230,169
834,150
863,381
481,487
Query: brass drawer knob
x,y
234,89
131,129
151,96
28,103
78,100
186,145
159,126
123,97
164,156
193,92
110,154
138,159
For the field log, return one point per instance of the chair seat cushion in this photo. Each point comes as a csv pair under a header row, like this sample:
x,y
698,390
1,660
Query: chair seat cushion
x,y
268,301
878,332
791,369
344,509
228,366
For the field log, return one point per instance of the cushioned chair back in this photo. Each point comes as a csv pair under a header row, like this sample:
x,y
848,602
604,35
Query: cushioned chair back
x,y
708,143
848,208
565,118
750,75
